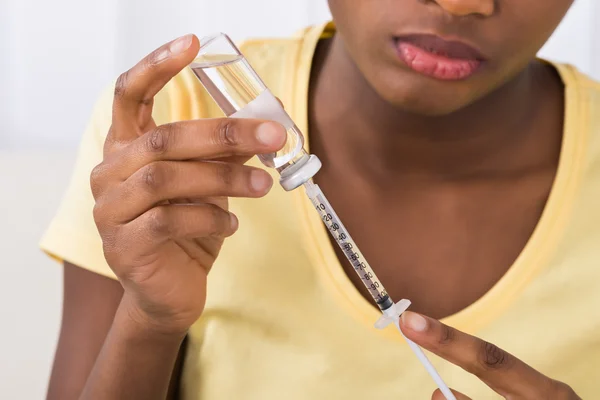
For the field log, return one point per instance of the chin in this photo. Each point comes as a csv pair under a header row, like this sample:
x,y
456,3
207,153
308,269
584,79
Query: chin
x,y
430,99
428,106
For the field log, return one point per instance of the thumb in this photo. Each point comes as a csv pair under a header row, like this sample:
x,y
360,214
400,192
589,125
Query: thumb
x,y
136,88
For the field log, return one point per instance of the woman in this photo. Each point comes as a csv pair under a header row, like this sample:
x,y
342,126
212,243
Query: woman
x,y
465,169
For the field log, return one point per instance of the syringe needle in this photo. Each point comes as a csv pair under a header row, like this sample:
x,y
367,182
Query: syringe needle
x,y
391,311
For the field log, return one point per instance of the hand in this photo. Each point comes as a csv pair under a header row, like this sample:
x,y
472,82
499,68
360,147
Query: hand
x,y
502,372
161,192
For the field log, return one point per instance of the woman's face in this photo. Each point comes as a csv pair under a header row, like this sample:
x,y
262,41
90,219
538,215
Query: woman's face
x,y
436,57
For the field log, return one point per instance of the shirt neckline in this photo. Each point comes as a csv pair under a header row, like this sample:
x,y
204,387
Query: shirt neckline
x,y
532,260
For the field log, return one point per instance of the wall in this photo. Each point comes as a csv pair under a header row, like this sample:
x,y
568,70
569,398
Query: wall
x,y
574,41
60,54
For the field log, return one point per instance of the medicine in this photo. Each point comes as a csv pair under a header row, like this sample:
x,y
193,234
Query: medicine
x,y
240,93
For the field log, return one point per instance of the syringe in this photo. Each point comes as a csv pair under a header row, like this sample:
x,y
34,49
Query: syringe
x,y
240,93
391,311
350,249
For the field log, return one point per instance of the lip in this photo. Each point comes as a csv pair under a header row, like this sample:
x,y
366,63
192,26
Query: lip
x,y
432,56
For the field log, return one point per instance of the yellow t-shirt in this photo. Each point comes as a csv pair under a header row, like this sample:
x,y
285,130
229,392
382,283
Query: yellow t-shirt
x,y
282,319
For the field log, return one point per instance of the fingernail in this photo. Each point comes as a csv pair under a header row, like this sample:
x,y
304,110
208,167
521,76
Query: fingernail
x,y
180,45
269,134
260,181
234,222
414,321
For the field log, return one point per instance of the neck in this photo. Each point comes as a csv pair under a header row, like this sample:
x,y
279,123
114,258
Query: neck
x,y
494,135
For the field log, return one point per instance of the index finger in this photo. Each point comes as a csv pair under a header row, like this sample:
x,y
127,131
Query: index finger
x,y
501,371
207,139
136,88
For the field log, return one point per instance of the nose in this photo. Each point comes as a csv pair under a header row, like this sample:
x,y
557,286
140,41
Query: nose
x,y
461,8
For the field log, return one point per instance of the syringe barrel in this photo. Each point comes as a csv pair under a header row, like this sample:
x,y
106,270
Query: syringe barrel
x,y
241,93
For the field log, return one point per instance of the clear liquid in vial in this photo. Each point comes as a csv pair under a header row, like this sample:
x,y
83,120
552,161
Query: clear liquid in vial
x,y
233,84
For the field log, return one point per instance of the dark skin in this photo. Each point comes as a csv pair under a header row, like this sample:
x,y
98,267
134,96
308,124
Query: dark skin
x,y
466,169
90,302
467,176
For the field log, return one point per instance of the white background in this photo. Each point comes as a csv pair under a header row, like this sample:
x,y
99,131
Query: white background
x,y
57,55
55,58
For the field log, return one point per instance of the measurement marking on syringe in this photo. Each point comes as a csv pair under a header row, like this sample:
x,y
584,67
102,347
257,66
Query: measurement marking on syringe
x,y
350,250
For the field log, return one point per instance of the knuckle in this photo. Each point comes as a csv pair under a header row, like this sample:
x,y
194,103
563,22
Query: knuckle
x,y
98,213
97,179
447,335
158,222
159,139
225,173
103,217
226,132
491,357
121,85
153,176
